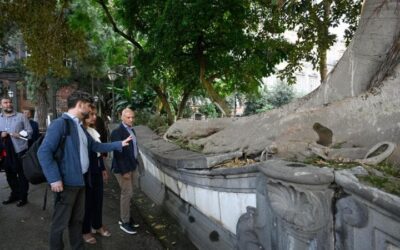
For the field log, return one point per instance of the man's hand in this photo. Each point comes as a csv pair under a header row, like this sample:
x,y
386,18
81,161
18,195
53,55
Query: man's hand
x,y
57,186
126,141
18,136
23,133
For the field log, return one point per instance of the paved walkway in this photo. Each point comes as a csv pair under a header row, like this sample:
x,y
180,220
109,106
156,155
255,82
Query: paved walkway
x,y
28,227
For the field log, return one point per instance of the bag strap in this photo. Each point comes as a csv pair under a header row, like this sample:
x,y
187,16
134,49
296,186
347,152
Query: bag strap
x,y
66,133
45,198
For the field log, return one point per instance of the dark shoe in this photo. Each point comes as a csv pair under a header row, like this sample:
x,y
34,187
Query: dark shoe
x,y
21,203
131,221
127,228
10,200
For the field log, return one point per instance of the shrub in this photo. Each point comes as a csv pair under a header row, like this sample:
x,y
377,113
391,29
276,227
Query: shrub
x,y
279,95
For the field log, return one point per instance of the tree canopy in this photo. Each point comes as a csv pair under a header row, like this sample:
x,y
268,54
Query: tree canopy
x,y
179,48
312,22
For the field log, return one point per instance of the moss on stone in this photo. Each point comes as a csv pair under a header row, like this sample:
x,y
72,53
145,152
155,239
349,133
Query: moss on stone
x,y
185,144
384,176
384,183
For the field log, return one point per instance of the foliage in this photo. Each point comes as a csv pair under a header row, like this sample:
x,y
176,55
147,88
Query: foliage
x,y
256,105
209,110
279,95
129,97
220,40
312,21
180,48
45,30
157,123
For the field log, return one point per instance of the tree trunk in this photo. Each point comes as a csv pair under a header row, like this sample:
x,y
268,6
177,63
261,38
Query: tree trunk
x,y
342,111
165,103
221,103
159,106
323,27
42,105
182,104
323,68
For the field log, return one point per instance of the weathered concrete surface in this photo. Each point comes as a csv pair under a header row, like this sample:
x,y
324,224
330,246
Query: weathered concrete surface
x,y
366,218
352,185
272,204
206,201
192,168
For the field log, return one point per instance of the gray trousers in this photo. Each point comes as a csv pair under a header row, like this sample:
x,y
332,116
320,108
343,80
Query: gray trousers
x,y
126,186
69,209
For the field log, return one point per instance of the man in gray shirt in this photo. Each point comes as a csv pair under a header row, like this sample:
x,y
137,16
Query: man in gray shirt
x,y
15,132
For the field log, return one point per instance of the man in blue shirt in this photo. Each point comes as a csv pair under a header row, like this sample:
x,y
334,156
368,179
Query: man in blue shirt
x,y
67,177
15,131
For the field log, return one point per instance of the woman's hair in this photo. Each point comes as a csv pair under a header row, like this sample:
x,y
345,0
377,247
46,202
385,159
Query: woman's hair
x,y
85,124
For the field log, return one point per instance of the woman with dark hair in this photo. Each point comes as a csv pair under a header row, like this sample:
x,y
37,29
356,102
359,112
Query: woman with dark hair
x,y
92,222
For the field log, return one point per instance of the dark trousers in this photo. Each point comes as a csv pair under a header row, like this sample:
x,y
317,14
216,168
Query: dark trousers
x,y
93,203
68,213
16,179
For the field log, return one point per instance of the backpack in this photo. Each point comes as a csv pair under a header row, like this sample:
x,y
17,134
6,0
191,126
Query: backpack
x,y
30,162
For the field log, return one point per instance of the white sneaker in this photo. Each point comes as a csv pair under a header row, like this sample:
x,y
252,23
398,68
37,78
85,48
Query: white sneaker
x,y
127,228
131,221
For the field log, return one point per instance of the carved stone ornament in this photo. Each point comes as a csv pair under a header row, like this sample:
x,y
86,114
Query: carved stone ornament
x,y
303,209
247,237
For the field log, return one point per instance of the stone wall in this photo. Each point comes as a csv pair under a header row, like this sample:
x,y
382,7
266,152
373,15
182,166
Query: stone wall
x,y
273,204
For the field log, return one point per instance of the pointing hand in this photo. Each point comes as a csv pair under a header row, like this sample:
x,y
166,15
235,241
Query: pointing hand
x,y
126,141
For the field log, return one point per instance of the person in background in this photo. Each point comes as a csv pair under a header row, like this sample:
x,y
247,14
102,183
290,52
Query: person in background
x,y
124,166
35,126
101,127
92,221
15,132
67,177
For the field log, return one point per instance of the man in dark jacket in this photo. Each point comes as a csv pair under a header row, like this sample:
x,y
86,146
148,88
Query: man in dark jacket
x,y
67,176
124,167
35,126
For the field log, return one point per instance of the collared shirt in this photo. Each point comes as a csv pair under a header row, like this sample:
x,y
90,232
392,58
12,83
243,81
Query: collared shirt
x,y
83,144
134,142
15,123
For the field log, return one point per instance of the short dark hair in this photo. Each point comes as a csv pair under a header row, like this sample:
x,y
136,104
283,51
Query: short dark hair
x,y
32,111
77,96
5,97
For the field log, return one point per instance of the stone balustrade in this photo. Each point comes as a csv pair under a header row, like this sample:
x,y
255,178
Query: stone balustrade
x,y
273,204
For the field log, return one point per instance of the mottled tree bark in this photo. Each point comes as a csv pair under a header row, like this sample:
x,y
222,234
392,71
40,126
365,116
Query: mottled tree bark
x,y
42,105
165,103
